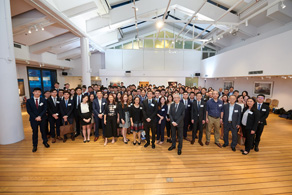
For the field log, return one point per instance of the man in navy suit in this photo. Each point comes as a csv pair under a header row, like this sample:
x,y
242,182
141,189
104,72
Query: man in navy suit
x,y
36,108
187,117
98,111
77,100
54,115
67,112
231,121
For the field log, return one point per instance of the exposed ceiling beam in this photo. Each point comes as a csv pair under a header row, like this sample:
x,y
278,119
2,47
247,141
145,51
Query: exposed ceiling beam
x,y
69,54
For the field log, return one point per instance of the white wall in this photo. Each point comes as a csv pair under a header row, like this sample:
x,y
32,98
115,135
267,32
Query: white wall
x,y
281,88
272,55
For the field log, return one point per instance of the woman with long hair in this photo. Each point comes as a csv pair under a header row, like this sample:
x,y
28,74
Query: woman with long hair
x,y
111,119
161,119
91,98
124,114
136,118
85,112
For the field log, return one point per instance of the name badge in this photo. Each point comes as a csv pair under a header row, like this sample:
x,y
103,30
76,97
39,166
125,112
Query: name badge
x,y
115,106
189,105
152,105
250,112
202,106
41,104
57,102
103,103
69,104
264,110
235,110
141,108
163,109
220,105
129,106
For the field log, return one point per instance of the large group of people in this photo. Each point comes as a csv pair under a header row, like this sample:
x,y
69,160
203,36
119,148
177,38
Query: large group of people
x,y
120,110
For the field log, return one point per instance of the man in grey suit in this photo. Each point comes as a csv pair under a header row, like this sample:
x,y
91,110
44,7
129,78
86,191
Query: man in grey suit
x,y
176,115
231,121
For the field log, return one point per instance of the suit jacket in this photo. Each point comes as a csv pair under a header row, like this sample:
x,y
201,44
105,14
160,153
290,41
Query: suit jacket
x,y
83,115
199,114
96,106
264,113
188,110
75,101
236,116
122,110
177,116
33,111
252,119
67,111
149,111
205,98
52,109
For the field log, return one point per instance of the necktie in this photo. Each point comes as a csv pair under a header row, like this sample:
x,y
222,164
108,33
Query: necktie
x,y
185,103
259,106
37,103
176,106
199,106
149,102
78,100
66,103
55,101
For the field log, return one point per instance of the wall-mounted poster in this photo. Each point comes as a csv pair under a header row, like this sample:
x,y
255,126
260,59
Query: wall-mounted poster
x,y
265,88
173,83
115,83
21,87
228,84
143,83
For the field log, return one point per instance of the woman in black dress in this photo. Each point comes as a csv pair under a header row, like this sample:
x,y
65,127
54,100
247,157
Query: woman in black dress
x,y
124,107
85,112
136,118
111,119
249,122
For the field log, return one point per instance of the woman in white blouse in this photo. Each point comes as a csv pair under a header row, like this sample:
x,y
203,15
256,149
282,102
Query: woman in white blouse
x,y
85,112
240,102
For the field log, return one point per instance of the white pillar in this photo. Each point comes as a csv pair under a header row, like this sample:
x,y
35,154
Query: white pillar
x,y
11,128
85,57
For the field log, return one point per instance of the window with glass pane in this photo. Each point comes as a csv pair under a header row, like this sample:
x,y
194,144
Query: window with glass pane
x,y
128,45
197,46
168,44
212,54
159,44
205,55
47,80
160,35
137,45
119,47
188,44
148,43
169,34
179,45
34,80
208,49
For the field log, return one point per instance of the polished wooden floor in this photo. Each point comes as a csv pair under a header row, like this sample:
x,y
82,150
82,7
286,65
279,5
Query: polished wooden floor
x,y
91,168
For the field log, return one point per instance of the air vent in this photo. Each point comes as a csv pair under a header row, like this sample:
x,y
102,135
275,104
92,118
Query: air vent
x,y
256,72
17,45
68,60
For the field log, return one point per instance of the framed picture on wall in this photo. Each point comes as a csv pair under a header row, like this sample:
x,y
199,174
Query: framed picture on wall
x,y
265,88
173,83
143,83
21,87
115,83
228,84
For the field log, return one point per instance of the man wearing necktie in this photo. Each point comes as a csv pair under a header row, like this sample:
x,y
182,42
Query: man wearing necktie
x,y
264,113
198,118
53,115
36,108
77,100
187,116
176,115
67,112
149,109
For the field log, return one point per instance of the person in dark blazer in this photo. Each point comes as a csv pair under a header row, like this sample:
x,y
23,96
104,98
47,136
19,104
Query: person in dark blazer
x,y
161,119
176,114
67,112
150,109
231,121
98,109
47,95
188,110
198,118
77,100
264,113
54,115
249,123
36,108
85,113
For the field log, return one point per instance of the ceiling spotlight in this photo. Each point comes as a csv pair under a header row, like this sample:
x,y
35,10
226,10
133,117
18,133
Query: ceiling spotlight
x,y
43,28
29,31
172,42
159,24
283,5
246,23
137,9
218,38
36,28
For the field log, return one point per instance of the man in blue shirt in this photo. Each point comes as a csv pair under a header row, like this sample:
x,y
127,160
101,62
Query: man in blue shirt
x,y
214,115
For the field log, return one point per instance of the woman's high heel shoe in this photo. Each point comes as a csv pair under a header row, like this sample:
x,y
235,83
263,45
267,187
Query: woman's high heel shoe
x,y
84,141
139,143
134,143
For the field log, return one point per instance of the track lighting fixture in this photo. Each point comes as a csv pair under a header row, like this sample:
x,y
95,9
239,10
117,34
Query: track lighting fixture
x,y
283,5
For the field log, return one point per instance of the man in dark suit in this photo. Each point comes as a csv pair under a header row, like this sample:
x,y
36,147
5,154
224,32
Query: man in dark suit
x,y
231,121
57,86
176,115
36,108
54,115
98,111
264,113
77,100
67,113
187,117
149,110
47,95
198,118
